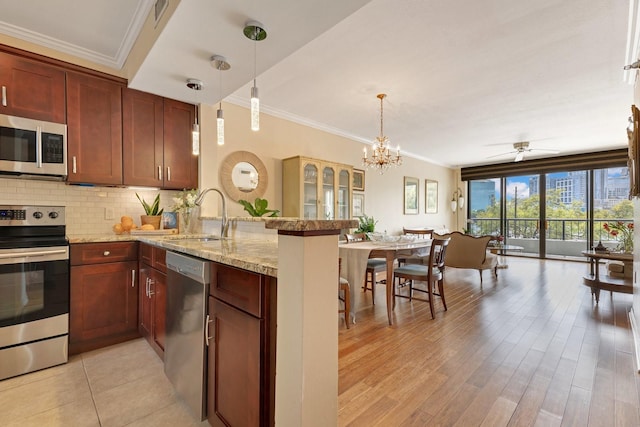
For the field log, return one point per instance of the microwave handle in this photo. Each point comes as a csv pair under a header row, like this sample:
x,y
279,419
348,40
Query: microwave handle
x,y
4,96
39,146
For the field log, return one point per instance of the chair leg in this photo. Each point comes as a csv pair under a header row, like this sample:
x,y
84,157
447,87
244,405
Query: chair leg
x,y
347,307
430,292
373,287
480,271
370,277
441,290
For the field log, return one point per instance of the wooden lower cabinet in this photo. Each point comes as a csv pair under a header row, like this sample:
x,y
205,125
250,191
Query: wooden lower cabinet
x,y
241,352
104,295
153,296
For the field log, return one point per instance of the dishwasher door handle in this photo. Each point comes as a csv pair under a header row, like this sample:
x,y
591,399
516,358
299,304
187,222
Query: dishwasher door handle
x,y
208,322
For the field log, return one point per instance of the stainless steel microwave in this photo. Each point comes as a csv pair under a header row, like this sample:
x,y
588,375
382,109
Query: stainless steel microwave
x,y
32,147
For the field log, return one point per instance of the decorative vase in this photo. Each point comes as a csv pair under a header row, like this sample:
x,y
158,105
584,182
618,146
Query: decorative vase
x,y
626,245
187,222
151,219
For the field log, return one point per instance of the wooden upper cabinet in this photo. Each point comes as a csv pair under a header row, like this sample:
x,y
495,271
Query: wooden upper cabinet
x,y
94,130
157,141
142,138
180,166
31,89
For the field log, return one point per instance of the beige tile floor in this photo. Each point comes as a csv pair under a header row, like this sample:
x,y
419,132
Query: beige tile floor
x,y
121,385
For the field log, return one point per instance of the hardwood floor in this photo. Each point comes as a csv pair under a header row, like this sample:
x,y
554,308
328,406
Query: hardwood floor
x,y
527,348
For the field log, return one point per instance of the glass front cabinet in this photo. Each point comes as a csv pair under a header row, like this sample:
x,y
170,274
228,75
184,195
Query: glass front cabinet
x,y
316,189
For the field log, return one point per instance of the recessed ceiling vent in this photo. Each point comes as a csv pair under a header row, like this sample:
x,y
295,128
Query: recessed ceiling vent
x,y
158,9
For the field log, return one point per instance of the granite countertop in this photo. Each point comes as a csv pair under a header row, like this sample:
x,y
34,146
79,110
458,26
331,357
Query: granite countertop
x,y
257,254
253,254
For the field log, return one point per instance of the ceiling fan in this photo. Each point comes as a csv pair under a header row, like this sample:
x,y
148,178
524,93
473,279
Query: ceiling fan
x,y
521,148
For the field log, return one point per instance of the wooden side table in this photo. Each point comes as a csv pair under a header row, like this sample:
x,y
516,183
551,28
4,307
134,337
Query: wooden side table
x,y
597,281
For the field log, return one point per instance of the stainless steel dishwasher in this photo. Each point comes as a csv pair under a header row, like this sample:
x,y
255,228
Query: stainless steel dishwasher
x,y
185,350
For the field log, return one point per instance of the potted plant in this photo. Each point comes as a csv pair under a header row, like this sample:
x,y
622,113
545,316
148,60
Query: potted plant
x,y
153,213
366,224
259,208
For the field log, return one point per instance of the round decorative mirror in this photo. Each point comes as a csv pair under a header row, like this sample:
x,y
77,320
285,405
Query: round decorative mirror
x,y
243,176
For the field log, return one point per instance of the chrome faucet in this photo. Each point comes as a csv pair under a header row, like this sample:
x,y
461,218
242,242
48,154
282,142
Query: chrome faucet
x,y
224,228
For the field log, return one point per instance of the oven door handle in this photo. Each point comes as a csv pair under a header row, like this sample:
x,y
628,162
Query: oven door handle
x,y
33,254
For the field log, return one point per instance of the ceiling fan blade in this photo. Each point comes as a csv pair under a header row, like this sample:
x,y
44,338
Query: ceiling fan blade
x,y
509,153
519,156
546,150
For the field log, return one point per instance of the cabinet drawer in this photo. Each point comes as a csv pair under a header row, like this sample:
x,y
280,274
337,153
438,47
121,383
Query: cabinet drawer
x,y
100,253
239,288
153,256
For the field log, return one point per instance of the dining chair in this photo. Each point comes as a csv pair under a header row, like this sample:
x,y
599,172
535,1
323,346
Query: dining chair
x,y
423,233
343,286
431,272
374,266
420,233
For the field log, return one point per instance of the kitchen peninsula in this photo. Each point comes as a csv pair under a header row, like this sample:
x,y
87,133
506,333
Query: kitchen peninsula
x,y
303,262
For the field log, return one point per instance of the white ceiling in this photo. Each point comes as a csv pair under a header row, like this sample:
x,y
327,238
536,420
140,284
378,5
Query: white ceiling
x,y
465,79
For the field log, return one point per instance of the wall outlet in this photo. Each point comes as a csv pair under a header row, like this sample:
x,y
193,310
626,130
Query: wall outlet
x,y
108,213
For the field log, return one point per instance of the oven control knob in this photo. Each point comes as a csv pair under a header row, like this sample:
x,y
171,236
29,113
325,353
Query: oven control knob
x,y
53,215
37,214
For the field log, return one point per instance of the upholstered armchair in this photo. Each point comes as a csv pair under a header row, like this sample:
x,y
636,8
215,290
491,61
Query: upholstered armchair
x,y
466,251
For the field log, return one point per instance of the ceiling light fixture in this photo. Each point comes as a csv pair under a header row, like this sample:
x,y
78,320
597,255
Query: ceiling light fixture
x,y
255,31
196,85
381,157
220,63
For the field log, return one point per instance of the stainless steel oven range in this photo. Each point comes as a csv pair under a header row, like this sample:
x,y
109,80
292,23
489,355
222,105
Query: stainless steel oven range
x,y
34,289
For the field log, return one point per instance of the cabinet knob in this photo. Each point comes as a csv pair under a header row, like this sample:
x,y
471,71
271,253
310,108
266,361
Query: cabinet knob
x,y
106,253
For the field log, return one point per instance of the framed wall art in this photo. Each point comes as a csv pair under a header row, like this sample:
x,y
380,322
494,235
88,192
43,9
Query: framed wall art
x,y
411,195
358,204
358,180
430,196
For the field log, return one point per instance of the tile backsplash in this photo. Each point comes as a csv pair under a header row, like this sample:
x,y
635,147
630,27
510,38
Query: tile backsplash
x,y
86,206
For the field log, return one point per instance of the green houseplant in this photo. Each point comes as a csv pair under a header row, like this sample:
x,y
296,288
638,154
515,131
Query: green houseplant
x,y
152,212
259,208
366,224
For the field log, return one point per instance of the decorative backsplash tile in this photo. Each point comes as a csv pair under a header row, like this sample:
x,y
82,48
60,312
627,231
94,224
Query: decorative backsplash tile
x,y
86,206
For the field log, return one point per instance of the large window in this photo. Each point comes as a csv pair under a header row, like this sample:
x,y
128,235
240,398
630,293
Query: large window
x,y
556,214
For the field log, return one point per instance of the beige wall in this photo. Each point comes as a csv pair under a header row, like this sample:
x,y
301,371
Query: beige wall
x,y
279,139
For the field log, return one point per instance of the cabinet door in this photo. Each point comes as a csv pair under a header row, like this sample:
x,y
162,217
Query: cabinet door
x,y
159,298
180,166
32,89
328,192
144,303
343,201
104,301
142,138
94,130
233,383
310,192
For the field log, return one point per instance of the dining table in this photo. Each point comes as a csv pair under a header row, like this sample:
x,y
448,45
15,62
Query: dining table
x,y
354,263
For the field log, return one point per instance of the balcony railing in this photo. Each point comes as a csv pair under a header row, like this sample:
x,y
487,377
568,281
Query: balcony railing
x,y
556,229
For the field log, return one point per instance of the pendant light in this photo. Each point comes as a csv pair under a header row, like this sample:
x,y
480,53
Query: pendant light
x,y
220,63
255,31
196,85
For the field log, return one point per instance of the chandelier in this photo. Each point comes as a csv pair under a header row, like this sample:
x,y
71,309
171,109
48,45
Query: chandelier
x,y
381,157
